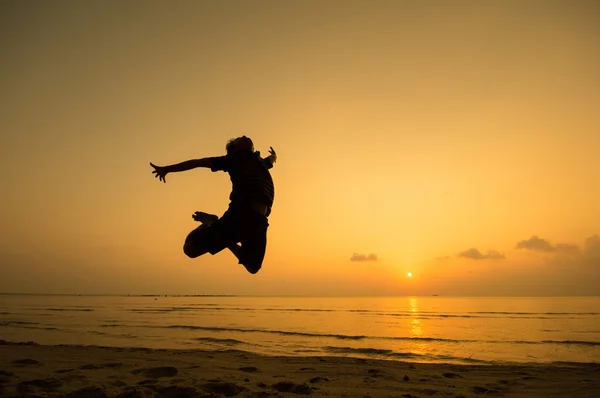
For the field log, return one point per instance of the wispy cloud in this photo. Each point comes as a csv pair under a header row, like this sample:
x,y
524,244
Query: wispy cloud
x,y
475,254
363,257
591,248
538,244
565,255
589,256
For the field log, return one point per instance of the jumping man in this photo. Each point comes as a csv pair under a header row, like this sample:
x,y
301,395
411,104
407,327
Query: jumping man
x,y
245,221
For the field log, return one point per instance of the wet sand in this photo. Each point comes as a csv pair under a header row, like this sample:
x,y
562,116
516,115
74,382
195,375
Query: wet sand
x,y
31,370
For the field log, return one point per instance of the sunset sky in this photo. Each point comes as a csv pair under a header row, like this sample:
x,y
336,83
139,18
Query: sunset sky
x,y
458,141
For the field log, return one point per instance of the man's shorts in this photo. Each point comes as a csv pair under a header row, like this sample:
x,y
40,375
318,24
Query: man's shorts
x,y
237,225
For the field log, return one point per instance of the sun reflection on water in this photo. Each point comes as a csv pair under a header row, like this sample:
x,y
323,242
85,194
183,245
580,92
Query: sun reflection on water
x,y
416,326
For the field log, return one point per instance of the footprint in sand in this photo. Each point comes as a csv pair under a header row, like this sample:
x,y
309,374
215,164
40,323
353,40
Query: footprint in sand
x,y
288,386
146,382
223,388
531,378
5,373
112,365
155,373
87,392
483,390
172,392
64,370
375,372
104,365
5,376
259,394
249,369
47,385
25,362
452,375
142,392
90,367
118,383
75,377
318,379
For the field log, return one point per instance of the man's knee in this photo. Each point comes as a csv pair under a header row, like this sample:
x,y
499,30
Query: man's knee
x,y
192,251
252,267
195,242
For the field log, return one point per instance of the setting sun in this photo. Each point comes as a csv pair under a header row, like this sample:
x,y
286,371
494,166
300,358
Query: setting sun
x,y
410,275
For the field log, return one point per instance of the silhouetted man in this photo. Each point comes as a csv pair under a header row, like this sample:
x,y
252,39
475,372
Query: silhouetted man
x,y
251,199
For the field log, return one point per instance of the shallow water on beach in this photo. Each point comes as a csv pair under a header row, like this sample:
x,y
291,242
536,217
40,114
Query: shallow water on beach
x,y
419,329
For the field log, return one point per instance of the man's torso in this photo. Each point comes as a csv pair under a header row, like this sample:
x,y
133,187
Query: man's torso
x,y
252,184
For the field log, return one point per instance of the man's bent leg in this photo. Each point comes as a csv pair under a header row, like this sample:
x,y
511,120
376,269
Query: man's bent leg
x,y
207,219
254,245
214,235
195,243
236,250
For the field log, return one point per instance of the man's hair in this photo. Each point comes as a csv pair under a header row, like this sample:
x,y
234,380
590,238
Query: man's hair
x,y
239,143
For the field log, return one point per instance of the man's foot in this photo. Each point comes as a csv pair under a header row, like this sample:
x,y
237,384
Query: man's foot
x,y
204,218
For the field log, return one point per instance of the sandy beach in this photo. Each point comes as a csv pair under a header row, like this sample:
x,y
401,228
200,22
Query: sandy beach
x,y
31,370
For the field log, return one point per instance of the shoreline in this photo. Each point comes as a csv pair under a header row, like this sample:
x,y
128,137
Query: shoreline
x,y
30,369
334,352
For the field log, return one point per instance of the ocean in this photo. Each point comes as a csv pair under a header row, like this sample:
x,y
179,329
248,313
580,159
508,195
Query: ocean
x,y
415,329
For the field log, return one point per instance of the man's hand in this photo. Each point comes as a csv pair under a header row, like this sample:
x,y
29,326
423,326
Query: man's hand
x,y
160,172
273,155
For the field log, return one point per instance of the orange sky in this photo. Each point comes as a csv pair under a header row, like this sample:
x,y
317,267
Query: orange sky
x,y
411,130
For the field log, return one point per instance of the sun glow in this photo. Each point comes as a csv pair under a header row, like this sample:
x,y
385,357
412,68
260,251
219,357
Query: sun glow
x,y
410,274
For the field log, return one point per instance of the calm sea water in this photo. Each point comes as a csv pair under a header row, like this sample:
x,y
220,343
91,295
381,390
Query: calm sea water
x,y
420,329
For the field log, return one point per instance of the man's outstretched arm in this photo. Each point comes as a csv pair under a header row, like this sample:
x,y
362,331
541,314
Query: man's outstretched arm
x,y
190,164
162,171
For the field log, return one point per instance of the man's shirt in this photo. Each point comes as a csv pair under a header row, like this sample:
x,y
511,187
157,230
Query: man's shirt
x,y
250,177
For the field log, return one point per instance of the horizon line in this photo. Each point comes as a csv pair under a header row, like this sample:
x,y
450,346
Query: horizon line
x,y
279,295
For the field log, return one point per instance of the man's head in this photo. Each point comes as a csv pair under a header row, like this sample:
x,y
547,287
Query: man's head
x,y
242,143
